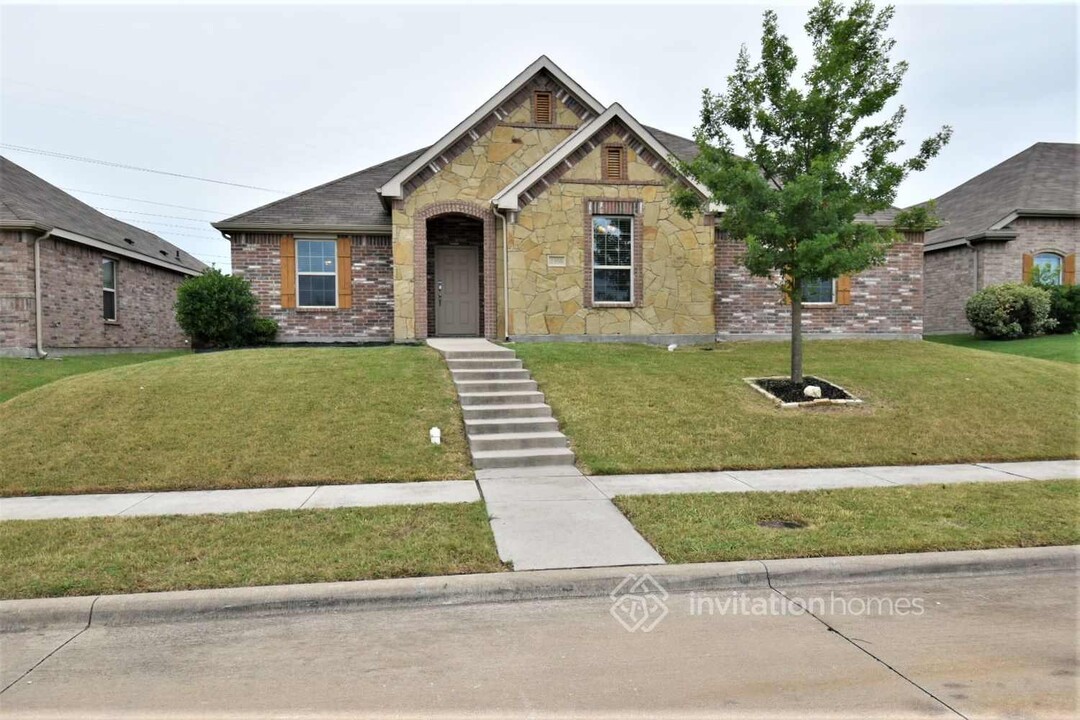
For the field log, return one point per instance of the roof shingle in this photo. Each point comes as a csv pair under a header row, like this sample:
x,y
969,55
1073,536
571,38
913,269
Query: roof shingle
x,y
28,201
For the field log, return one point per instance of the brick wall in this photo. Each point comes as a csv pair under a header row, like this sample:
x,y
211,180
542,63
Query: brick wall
x,y
16,293
950,278
885,300
949,281
257,257
71,304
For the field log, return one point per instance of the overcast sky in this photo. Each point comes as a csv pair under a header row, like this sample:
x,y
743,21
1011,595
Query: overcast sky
x,y
287,97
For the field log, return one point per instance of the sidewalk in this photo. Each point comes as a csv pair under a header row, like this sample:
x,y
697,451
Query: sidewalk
x,y
196,502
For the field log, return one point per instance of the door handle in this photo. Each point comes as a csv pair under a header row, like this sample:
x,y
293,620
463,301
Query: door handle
x,y
438,292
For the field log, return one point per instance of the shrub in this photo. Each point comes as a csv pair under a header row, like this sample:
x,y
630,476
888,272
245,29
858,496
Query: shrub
x,y
1065,307
218,310
1010,311
263,331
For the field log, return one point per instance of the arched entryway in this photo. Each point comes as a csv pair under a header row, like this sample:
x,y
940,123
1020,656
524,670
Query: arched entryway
x,y
455,271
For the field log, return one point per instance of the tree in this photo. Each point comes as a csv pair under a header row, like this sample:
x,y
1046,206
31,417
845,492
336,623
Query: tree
x,y
218,310
817,153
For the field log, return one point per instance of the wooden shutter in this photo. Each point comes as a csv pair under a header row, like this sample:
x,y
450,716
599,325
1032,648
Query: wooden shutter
x,y
1028,262
288,271
783,290
1068,270
614,162
843,290
344,272
542,111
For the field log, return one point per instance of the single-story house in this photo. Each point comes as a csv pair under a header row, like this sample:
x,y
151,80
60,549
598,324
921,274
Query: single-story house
x,y
1019,215
74,280
567,199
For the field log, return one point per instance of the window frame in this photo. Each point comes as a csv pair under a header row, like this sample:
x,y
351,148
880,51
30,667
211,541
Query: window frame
x,y
107,260
1060,264
820,303
592,249
316,238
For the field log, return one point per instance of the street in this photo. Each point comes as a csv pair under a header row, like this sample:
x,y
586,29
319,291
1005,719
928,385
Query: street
x,y
991,646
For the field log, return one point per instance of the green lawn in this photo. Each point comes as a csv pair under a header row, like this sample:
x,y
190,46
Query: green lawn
x,y
863,521
639,409
245,418
19,375
51,558
1064,348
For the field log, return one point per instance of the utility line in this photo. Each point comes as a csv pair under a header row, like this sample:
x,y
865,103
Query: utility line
x,y
161,224
109,163
149,202
136,212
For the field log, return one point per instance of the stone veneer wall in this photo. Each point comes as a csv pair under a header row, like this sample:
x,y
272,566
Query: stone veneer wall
x,y
17,293
885,300
71,301
949,273
490,163
675,272
257,257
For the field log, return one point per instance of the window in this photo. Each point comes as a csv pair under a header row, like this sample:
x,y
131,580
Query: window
x,y
613,258
614,162
543,112
316,273
1047,268
108,288
819,292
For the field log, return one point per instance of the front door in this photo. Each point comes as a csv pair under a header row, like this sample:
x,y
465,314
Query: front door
x,y
457,290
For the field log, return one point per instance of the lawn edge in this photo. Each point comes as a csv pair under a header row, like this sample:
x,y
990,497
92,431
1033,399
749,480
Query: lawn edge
x,y
286,600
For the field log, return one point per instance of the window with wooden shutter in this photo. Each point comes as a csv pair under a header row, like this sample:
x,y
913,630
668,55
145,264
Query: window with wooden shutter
x,y
543,111
843,290
614,162
344,272
288,272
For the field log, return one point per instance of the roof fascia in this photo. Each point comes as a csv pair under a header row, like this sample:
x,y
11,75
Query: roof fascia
x,y
510,197
393,188
123,252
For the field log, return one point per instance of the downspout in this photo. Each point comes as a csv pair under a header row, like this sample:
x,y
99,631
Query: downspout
x,y
37,295
506,278
974,266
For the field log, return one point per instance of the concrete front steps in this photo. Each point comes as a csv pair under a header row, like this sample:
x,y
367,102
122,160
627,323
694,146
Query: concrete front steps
x,y
507,422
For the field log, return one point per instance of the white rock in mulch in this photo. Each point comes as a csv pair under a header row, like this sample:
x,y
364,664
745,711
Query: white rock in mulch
x,y
671,347
812,391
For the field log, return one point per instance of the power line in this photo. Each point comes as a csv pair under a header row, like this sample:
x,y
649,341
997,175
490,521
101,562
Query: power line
x,y
135,212
161,224
149,202
109,163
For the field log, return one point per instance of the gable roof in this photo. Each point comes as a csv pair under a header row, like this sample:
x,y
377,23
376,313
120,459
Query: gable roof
x,y
350,203
510,197
1041,180
28,202
392,188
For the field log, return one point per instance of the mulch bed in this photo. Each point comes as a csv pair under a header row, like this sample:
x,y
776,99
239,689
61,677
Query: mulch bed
x,y
788,391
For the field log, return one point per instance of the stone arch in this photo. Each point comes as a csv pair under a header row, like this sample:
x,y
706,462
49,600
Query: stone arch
x,y
420,243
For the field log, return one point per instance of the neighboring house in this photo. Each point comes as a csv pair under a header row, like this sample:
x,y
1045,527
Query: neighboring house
x,y
73,279
998,226
568,198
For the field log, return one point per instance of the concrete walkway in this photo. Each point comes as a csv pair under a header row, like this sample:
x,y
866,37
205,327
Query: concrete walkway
x,y
529,485
548,518
203,502
825,478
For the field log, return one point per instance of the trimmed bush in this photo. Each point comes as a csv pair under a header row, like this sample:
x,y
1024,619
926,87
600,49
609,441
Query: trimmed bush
x,y
1065,307
220,311
1010,311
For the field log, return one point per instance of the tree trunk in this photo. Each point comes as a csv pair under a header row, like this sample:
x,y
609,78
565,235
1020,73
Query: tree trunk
x,y
796,332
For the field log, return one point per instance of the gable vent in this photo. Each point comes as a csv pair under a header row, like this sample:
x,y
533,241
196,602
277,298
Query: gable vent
x,y
614,156
542,110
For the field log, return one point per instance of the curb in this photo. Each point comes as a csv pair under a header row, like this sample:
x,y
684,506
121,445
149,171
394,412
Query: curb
x,y
284,600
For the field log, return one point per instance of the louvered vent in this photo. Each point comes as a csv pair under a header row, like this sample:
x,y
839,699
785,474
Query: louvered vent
x,y
542,112
613,162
